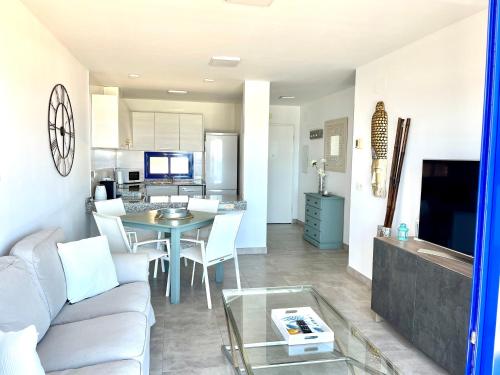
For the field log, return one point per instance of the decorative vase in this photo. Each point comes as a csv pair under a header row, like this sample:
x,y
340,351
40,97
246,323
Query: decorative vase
x,y
321,185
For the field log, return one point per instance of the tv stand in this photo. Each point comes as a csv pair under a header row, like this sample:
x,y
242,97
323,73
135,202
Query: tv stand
x,y
437,253
423,291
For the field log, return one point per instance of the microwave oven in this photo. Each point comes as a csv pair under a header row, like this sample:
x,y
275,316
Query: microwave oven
x,y
131,175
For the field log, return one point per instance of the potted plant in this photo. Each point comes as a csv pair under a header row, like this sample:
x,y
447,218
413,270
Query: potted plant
x,y
320,169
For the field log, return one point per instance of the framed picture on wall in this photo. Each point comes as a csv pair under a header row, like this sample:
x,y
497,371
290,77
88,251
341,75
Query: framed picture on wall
x,y
335,138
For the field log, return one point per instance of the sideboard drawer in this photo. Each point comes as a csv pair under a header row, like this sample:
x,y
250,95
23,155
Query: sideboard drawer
x,y
313,211
313,223
313,201
311,232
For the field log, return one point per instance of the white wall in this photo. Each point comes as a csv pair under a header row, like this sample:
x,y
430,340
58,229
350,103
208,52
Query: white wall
x,y
438,82
313,116
216,116
33,194
289,115
253,231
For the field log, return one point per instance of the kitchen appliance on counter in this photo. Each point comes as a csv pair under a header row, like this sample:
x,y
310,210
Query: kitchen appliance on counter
x,y
100,193
119,177
221,163
110,187
130,176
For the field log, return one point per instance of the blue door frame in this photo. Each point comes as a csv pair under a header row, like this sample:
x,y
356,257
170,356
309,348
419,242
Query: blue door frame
x,y
483,328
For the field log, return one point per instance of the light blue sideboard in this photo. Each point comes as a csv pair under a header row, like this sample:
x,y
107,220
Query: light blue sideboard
x,y
324,221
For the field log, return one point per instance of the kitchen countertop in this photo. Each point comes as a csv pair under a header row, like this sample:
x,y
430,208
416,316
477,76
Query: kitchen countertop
x,y
175,182
164,182
137,204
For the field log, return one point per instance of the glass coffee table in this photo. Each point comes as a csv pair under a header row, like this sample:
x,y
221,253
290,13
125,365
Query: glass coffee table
x,y
257,347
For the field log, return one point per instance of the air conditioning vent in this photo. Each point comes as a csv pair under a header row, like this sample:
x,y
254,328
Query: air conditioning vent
x,y
224,61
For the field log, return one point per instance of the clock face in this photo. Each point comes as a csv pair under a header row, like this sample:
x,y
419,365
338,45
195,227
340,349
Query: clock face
x,y
61,130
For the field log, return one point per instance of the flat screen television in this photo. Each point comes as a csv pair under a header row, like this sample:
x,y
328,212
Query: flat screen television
x,y
448,204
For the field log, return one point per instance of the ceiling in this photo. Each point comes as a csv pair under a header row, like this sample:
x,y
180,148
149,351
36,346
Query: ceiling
x,y
306,48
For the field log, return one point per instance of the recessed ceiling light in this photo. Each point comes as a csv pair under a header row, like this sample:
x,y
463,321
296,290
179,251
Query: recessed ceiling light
x,y
287,97
224,61
177,91
258,3
208,80
133,75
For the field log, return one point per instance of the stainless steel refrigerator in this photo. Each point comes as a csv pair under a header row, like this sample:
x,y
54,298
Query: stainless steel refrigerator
x,y
221,163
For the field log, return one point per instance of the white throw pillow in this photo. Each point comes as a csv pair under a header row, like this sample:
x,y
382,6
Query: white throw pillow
x,y
88,267
18,352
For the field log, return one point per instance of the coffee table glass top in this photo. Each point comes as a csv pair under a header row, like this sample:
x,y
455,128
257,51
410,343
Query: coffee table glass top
x,y
263,350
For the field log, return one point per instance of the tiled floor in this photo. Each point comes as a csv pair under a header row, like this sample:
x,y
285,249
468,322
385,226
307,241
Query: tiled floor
x,y
187,337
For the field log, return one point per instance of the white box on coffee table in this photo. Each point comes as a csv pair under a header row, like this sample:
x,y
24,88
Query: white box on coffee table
x,y
285,320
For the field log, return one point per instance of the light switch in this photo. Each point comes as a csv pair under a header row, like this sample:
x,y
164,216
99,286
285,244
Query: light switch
x,y
359,143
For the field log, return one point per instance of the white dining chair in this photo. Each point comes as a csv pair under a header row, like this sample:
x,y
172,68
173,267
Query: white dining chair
x,y
219,248
110,207
115,207
202,205
112,228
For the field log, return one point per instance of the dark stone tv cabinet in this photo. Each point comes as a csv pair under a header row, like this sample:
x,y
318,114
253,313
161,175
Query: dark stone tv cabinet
x,y
426,298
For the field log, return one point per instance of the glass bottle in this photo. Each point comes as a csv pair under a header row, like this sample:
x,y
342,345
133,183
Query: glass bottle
x,y
403,232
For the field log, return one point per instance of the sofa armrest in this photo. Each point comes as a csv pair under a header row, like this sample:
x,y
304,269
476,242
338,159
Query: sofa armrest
x,y
131,267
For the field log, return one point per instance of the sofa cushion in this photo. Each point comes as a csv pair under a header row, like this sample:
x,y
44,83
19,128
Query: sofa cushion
x,y
39,251
133,297
18,352
129,367
94,341
21,301
131,267
88,267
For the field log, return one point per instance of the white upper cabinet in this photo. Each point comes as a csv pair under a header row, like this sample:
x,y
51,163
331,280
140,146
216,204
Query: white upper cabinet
x,y
143,130
166,131
105,129
190,132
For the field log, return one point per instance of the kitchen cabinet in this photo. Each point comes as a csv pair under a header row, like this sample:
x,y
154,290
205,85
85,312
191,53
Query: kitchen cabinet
x,y
166,131
143,130
155,190
105,128
191,190
190,132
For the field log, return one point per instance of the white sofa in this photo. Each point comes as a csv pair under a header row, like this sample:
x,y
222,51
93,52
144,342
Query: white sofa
x,y
105,334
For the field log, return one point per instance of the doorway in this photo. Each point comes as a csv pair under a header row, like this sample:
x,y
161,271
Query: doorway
x,y
280,174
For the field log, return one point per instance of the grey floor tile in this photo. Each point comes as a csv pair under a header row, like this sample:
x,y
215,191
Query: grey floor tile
x,y
187,337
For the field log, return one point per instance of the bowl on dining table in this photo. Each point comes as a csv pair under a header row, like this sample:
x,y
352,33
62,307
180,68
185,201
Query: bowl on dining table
x,y
172,213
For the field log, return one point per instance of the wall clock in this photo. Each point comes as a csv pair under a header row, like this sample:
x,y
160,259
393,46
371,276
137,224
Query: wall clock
x,y
61,130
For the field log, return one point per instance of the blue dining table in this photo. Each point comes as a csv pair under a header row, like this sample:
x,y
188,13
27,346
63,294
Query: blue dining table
x,y
148,220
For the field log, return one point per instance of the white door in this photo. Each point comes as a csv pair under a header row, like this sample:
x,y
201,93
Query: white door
x,y
105,129
143,129
166,131
280,174
191,132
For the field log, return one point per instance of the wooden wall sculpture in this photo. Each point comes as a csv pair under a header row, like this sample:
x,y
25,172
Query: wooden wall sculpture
x,y
379,150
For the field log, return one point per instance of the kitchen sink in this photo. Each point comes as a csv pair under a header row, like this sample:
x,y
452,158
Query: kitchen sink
x,y
160,183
